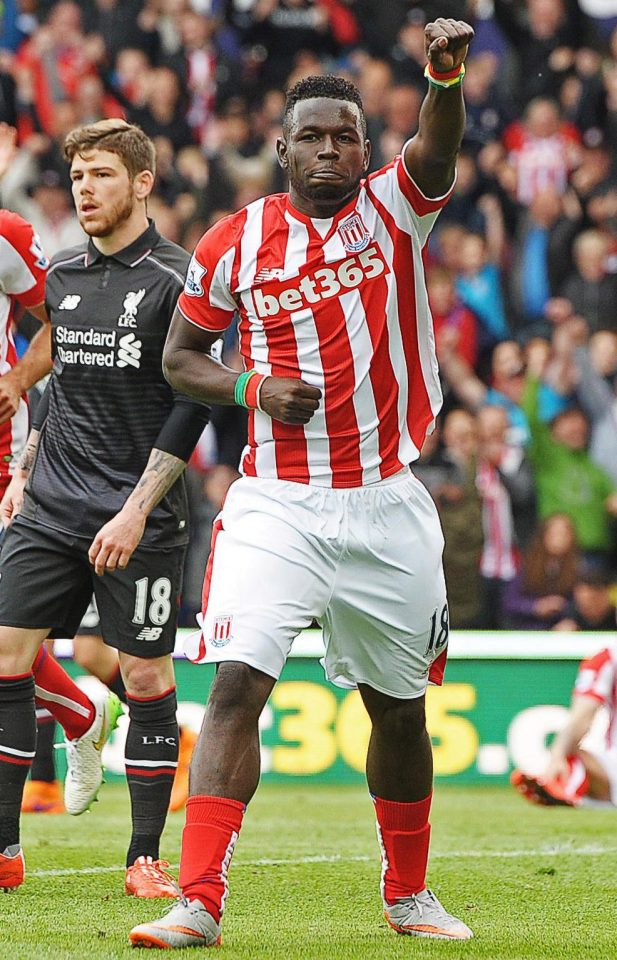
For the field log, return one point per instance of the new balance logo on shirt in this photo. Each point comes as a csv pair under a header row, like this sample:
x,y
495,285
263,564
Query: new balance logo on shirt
x,y
69,302
266,274
149,633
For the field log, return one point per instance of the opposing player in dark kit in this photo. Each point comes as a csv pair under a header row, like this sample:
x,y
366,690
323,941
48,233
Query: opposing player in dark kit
x,y
99,504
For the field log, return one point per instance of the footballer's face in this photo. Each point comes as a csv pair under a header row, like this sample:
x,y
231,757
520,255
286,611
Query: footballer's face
x,y
105,195
325,154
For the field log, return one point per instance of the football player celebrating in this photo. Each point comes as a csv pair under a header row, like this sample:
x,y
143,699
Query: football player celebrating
x,y
328,522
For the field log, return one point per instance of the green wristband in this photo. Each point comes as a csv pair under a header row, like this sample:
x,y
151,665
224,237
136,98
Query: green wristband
x,y
240,387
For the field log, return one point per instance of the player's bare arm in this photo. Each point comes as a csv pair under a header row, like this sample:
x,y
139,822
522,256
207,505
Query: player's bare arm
x,y
568,740
14,496
430,156
116,541
32,367
190,369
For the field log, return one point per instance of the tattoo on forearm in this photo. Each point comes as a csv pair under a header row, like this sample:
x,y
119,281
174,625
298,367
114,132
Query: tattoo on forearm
x,y
26,461
161,473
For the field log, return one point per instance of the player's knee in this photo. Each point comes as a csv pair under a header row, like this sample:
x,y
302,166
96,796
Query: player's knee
x,y
239,692
147,678
18,649
403,720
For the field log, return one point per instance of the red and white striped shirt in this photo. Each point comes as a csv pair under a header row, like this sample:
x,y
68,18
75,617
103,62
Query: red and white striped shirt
x,y
597,678
340,303
23,268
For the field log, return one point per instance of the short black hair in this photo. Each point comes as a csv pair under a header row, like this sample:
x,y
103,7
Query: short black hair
x,y
329,87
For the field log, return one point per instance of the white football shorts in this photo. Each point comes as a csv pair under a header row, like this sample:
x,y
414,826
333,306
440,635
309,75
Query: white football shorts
x,y
364,562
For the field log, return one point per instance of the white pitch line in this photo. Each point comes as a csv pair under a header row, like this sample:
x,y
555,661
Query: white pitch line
x,y
552,851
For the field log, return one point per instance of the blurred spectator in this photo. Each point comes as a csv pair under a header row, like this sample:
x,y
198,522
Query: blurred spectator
x,y
18,21
204,180
373,79
488,112
400,111
465,206
478,282
450,314
542,150
164,113
209,77
130,78
275,30
541,256
544,35
407,55
590,368
245,159
507,379
446,245
123,23
538,595
507,492
591,607
566,478
449,473
591,288
55,59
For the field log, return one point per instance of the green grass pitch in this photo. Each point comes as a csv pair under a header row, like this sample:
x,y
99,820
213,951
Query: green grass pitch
x,y
532,883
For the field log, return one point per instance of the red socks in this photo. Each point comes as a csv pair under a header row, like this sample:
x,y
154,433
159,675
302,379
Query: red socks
x,y
55,690
404,834
213,825
208,841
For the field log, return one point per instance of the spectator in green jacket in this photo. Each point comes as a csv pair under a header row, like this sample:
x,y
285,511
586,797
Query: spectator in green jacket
x,y
567,480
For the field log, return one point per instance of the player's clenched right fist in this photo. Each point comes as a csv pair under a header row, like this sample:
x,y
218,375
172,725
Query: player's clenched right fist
x,y
289,400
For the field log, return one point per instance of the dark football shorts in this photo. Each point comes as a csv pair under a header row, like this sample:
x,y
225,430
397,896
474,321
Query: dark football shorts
x,y
46,580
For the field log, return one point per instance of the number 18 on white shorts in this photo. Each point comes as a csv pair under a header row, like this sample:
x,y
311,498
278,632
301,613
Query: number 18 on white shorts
x,y
365,562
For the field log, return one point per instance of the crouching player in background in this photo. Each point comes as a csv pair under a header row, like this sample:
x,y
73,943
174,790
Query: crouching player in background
x,y
575,774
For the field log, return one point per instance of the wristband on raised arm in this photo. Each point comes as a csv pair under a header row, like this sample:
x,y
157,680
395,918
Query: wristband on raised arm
x,y
445,81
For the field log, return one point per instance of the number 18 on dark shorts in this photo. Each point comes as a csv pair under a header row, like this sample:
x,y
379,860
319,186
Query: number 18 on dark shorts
x,y
47,581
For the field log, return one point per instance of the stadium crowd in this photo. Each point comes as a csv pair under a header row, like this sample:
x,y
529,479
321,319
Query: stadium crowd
x,y
521,266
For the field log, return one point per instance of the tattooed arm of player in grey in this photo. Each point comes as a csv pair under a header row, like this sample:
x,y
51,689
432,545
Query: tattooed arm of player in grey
x,y
13,498
114,544
162,471
26,461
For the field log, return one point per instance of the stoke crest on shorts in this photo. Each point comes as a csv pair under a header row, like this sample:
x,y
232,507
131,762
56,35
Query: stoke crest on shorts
x,y
221,631
354,234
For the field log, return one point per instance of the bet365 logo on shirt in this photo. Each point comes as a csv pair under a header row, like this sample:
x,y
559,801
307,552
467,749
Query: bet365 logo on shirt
x,y
324,283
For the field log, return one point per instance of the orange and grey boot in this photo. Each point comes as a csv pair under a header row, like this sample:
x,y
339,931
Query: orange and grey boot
x,y
41,796
148,880
12,868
